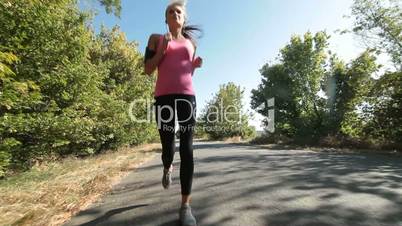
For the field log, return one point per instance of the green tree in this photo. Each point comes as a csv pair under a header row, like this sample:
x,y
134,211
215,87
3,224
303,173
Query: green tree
x,y
379,22
224,116
385,107
336,88
112,6
347,88
6,79
126,82
51,76
296,81
69,91
276,84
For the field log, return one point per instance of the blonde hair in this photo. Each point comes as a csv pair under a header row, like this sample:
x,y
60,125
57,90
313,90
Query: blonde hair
x,y
187,30
182,4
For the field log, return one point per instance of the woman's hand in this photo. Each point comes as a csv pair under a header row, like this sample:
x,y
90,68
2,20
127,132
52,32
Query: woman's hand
x,y
166,39
197,62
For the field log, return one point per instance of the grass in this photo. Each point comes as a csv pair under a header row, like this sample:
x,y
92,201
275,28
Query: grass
x,y
327,144
334,146
49,194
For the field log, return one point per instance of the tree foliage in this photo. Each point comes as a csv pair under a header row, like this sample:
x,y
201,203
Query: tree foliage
x,y
224,116
294,83
316,96
379,23
65,90
385,111
112,6
277,84
347,88
352,104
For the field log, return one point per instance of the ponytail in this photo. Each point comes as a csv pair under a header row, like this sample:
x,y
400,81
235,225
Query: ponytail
x,y
189,32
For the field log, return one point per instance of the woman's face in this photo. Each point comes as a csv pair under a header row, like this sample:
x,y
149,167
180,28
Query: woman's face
x,y
175,16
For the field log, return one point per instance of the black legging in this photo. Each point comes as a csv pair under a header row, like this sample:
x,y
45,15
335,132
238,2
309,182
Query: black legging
x,y
185,106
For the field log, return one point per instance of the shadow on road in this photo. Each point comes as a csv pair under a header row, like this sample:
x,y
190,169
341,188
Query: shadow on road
x,y
282,187
329,179
108,214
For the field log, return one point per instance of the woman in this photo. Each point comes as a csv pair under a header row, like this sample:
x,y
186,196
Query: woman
x,y
174,56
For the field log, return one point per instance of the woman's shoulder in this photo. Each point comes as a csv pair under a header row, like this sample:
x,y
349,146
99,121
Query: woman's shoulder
x,y
155,37
153,40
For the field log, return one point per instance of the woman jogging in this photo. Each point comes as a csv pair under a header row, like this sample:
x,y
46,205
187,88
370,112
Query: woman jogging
x,y
173,54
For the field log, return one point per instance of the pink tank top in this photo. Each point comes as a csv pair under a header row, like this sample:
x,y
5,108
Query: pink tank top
x,y
175,69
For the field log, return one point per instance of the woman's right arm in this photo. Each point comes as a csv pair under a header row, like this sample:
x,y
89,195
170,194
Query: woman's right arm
x,y
154,55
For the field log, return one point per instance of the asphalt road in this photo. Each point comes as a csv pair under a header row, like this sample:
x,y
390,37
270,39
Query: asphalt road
x,y
249,185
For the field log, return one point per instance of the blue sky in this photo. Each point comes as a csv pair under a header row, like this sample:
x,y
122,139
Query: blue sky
x,y
239,36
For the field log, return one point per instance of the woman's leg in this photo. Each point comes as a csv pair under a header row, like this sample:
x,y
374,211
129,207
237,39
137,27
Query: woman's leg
x,y
186,114
165,119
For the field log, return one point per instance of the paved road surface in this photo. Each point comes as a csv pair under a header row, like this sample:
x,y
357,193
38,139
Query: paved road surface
x,y
250,186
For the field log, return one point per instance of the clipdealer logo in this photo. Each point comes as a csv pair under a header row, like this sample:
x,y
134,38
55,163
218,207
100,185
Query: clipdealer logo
x,y
268,106
219,113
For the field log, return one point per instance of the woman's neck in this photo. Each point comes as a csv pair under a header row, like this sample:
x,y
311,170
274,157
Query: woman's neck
x,y
176,33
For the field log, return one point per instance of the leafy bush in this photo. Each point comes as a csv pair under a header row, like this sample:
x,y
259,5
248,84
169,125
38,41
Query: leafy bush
x,y
64,89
